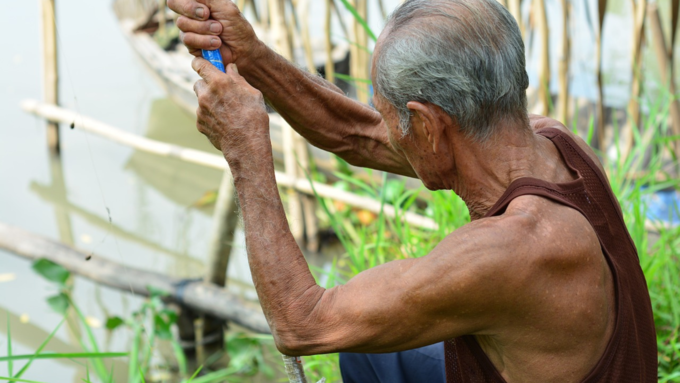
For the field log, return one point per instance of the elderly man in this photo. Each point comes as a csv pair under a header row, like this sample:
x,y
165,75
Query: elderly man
x,y
544,285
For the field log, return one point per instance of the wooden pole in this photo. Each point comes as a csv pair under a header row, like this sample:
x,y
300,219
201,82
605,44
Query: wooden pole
x,y
303,185
358,54
565,58
197,295
601,133
50,68
544,74
330,64
660,48
515,8
225,220
640,15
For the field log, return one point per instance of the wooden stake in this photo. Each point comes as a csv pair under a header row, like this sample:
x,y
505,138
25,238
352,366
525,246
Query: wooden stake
x,y
660,48
330,64
197,295
50,68
303,185
358,54
225,220
601,134
639,17
514,6
544,75
565,58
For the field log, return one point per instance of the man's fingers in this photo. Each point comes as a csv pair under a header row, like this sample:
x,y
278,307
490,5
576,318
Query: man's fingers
x,y
190,8
206,70
208,27
196,41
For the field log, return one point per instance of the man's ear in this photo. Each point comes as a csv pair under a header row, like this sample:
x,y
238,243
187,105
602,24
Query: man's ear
x,y
426,115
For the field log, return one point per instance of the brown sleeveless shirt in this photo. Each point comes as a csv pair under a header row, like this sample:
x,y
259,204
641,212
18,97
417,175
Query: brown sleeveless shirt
x,y
631,354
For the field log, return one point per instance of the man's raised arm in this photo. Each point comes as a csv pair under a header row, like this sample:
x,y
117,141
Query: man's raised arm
x,y
317,109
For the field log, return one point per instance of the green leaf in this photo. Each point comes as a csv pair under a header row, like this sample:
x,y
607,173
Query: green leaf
x,y
10,365
352,79
18,380
51,271
359,19
114,322
31,358
59,303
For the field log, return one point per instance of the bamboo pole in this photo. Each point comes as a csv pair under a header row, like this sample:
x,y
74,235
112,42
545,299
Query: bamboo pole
x,y
50,68
162,20
601,133
660,48
225,220
515,8
197,295
303,9
640,15
358,54
565,58
303,185
330,64
544,74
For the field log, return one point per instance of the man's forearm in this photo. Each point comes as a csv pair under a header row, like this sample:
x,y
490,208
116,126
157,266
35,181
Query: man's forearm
x,y
285,286
321,113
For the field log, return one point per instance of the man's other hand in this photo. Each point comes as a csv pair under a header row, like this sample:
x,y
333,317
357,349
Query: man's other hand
x,y
231,113
213,24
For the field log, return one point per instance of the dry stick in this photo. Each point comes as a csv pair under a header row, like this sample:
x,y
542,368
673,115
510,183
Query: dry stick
x,y
675,8
383,10
341,20
660,49
639,17
206,298
358,55
563,107
601,9
303,8
330,64
544,75
303,185
514,6
50,68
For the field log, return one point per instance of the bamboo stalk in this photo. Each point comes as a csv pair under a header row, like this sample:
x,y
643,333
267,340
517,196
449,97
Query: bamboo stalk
x,y
640,15
544,75
303,185
330,64
515,8
199,296
303,7
50,68
660,48
341,20
601,133
225,220
358,54
565,58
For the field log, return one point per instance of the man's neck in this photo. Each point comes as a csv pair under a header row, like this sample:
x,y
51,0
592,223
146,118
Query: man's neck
x,y
485,171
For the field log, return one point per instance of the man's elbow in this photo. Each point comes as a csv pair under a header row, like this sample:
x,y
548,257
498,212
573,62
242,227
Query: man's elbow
x,y
298,342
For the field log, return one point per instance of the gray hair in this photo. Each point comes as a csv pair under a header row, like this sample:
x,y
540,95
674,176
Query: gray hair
x,y
465,56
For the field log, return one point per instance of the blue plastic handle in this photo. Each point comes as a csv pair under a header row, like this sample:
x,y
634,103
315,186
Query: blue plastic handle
x,y
215,57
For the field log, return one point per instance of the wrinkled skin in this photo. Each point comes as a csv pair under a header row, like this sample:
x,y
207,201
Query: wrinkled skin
x,y
531,284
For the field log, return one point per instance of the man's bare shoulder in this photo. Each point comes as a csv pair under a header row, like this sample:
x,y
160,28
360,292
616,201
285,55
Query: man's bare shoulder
x,y
538,122
534,242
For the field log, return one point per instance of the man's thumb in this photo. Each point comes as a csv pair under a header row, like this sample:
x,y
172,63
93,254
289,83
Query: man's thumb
x,y
205,69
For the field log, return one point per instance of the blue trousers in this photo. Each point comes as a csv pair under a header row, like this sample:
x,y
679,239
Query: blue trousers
x,y
425,364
